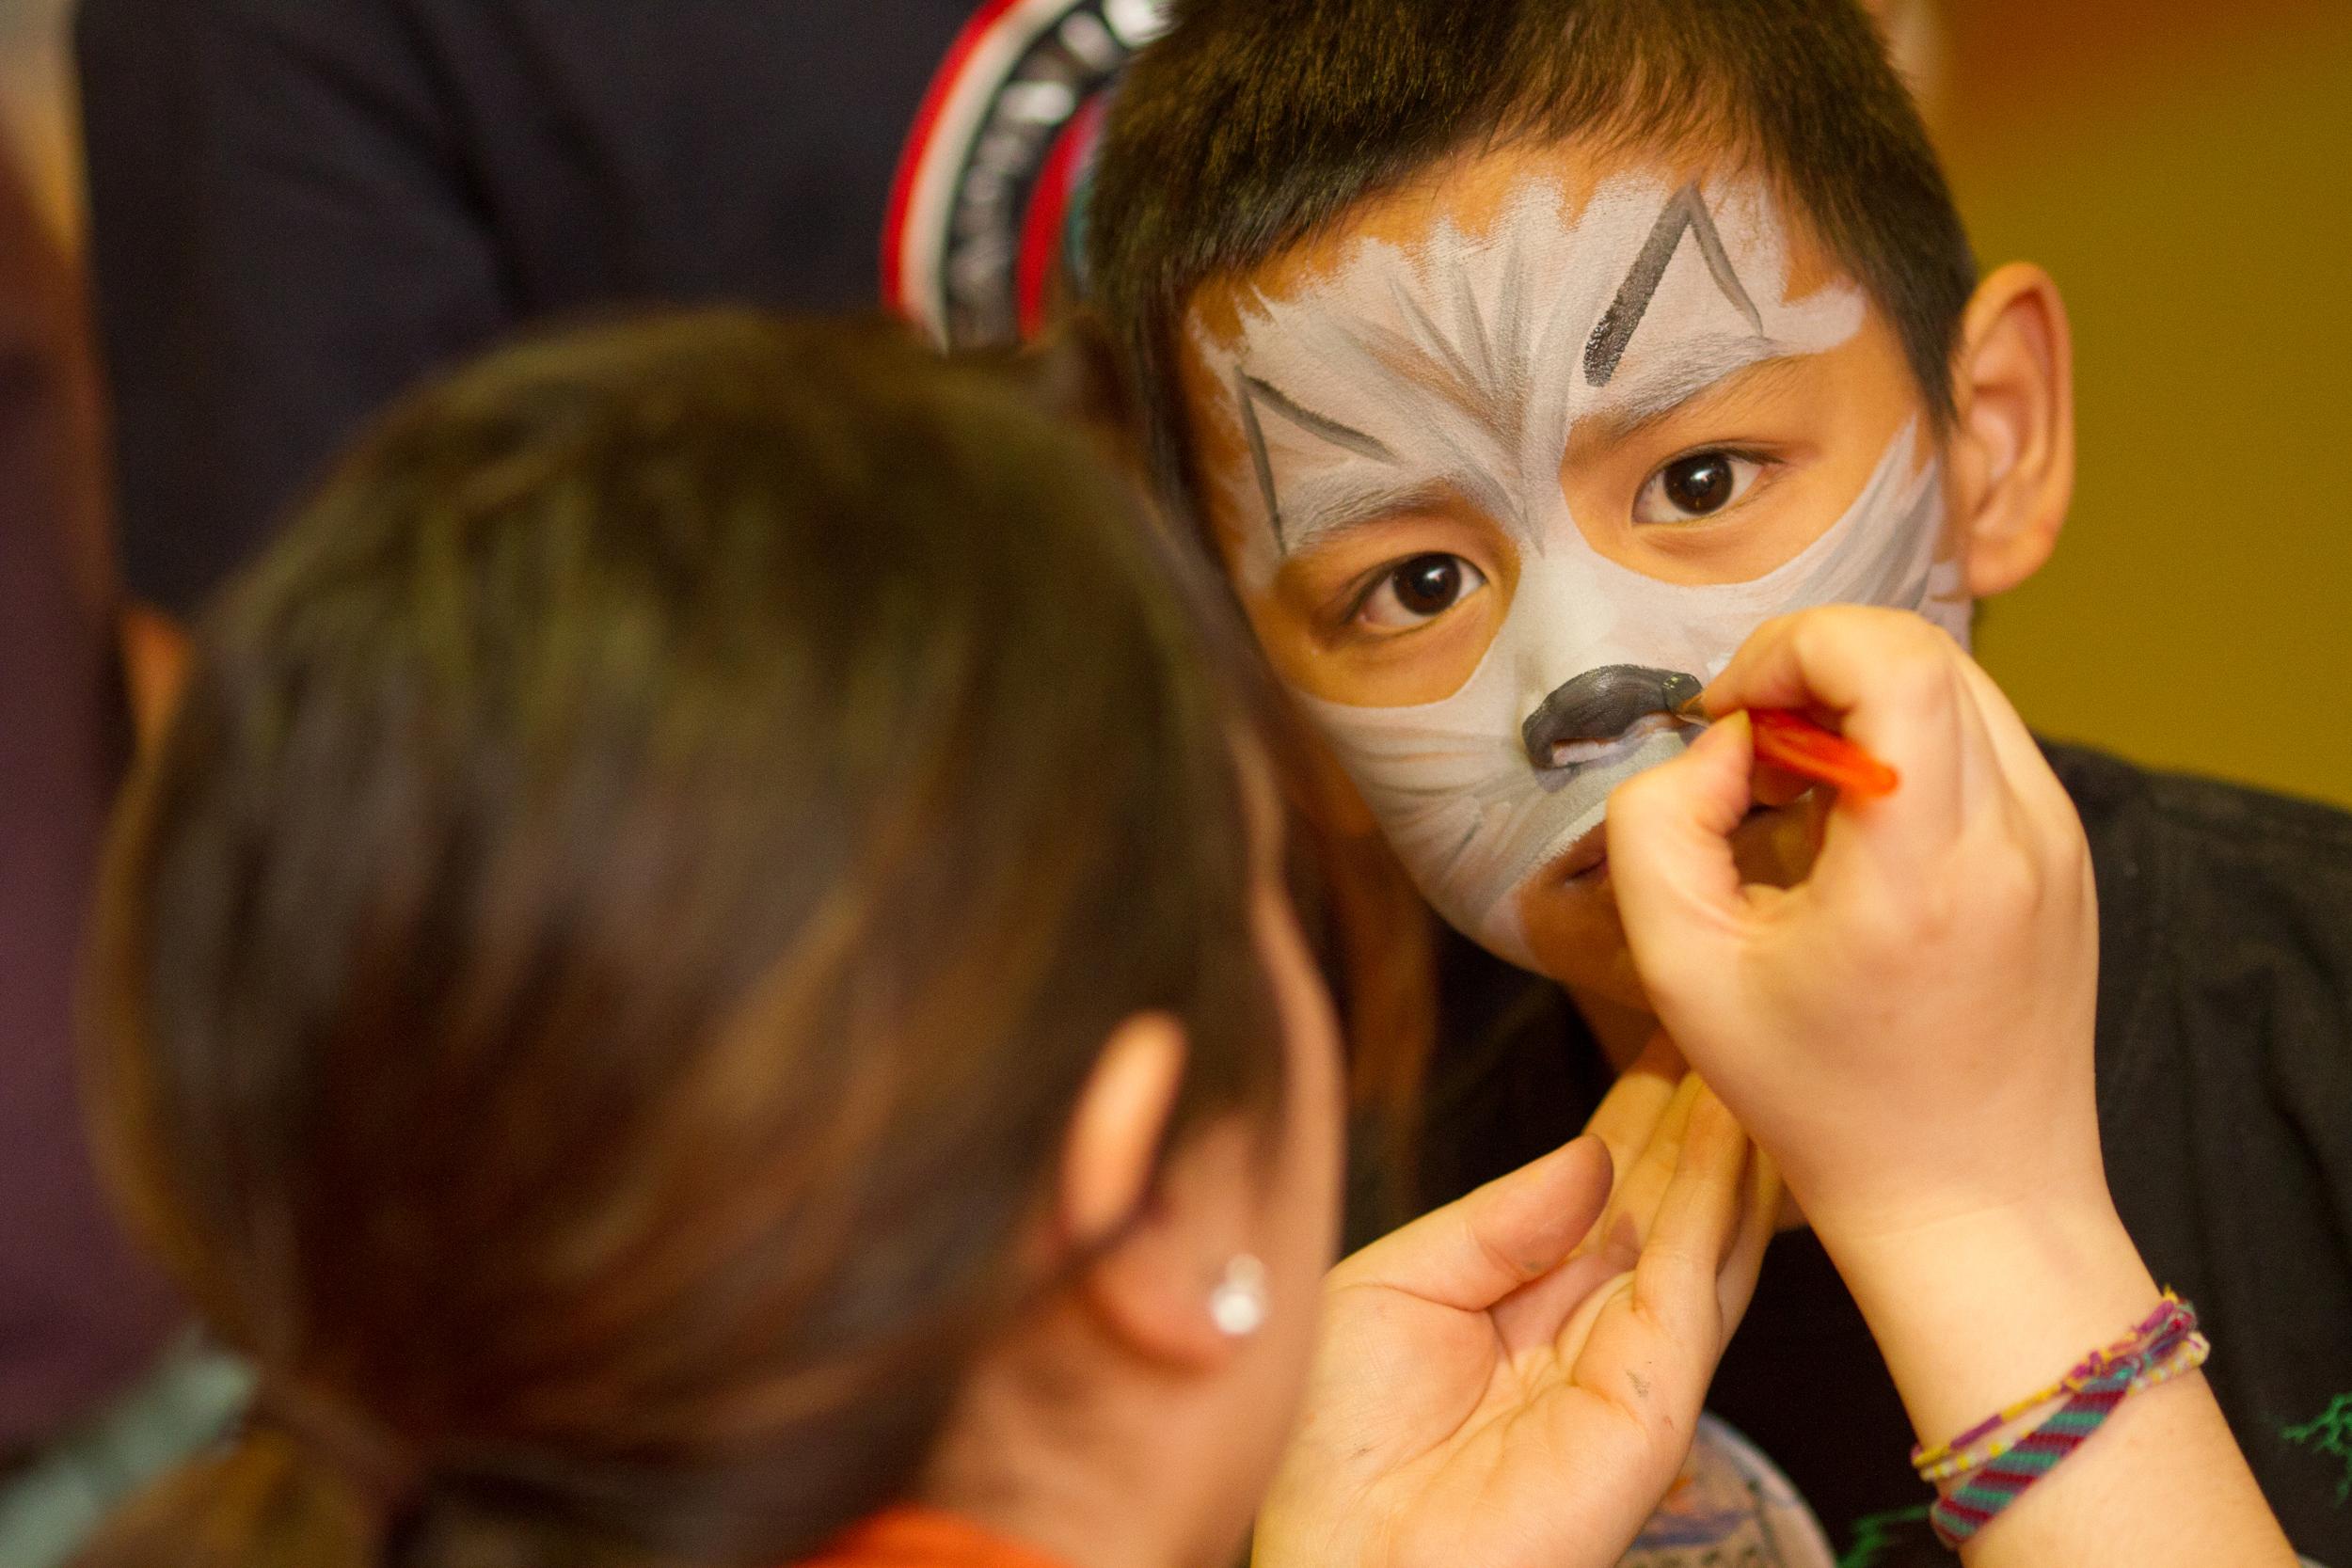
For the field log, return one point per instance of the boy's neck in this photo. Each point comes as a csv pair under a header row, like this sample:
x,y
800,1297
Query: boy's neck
x,y
1621,1031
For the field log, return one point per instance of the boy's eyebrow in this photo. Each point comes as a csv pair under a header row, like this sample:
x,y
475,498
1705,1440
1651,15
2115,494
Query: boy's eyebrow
x,y
1333,509
1255,391
1690,371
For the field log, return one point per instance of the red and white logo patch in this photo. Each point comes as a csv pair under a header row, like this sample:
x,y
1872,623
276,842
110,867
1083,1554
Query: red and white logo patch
x,y
986,217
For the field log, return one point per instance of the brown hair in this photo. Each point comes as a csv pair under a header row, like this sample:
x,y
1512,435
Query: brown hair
x,y
594,979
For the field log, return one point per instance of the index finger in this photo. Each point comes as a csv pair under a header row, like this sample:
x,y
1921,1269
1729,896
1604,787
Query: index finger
x,y
1629,1112
1478,1250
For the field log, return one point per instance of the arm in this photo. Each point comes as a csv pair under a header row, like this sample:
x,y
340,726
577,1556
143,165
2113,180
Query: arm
x,y
1909,1033
1974,1312
284,237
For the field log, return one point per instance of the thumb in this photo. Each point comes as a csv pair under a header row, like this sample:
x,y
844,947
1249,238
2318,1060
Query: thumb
x,y
1477,1250
1670,854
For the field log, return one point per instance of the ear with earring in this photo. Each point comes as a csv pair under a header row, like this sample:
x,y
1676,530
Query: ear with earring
x,y
1238,1305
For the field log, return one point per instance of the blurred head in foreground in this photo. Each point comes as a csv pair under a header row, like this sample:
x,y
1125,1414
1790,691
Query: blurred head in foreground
x,y
708,953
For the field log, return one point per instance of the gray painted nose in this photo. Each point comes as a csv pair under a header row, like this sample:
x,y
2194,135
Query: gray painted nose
x,y
1602,704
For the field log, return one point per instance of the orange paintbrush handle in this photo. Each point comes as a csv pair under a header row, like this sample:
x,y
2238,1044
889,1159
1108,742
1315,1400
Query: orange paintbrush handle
x,y
1795,743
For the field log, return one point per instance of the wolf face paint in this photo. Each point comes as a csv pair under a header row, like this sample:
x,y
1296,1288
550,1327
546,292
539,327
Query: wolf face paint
x,y
1461,371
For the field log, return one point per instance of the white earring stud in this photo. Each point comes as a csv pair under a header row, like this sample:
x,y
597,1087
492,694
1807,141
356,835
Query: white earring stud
x,y
1238,1305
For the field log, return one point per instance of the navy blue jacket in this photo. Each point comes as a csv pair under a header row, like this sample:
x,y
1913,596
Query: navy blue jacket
x,y
300,207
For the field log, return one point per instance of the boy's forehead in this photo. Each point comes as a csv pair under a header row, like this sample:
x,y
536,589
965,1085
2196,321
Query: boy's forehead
x,y
1443,334
1470,194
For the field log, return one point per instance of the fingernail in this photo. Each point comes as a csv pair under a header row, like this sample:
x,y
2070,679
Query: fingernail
x,y
1593,1147
1727,732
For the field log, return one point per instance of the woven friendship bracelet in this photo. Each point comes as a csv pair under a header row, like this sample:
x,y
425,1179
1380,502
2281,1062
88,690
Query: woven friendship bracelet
x,y
1976,1458
2013,1429
1967,1451
2174,1348
2185,1356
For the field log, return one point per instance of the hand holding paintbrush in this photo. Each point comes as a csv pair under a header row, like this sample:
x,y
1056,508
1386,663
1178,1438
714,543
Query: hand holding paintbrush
x,y
1947,927
1908,1032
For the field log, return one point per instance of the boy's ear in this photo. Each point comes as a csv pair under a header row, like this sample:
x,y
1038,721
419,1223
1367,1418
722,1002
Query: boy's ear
x,y
1157,1238
2013,447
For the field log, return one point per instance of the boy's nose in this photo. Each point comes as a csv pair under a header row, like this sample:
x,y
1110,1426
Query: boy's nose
x,y
1602,704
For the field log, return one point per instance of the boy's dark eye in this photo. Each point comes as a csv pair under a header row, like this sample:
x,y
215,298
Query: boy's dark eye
x,y
1698,485
1429,584
1420,590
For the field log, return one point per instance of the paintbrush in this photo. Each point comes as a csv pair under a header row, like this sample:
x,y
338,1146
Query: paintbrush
x,y
1795,744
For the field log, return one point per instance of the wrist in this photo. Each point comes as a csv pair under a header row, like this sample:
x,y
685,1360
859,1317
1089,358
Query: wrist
x,y
1978,1310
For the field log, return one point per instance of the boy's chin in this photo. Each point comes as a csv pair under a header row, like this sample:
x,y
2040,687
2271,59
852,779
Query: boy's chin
x,y
1568,910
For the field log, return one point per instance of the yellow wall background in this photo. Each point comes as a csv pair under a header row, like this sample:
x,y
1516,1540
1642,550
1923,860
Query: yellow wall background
x,y
2194,198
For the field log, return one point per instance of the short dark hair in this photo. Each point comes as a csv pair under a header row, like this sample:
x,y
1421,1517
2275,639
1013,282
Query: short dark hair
x,y
1252,125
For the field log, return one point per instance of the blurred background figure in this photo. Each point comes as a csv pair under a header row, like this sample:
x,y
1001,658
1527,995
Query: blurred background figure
x,y
303,206
35,112
77,1316
89,1399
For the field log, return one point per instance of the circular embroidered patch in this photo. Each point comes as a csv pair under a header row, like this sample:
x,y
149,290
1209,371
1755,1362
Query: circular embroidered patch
x,y
981,239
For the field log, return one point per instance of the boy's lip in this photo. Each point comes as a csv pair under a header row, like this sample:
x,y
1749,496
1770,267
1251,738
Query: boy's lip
x,y
1571,756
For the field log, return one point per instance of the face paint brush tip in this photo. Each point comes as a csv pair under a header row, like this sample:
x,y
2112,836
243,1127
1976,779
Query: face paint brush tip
x,y
1796,744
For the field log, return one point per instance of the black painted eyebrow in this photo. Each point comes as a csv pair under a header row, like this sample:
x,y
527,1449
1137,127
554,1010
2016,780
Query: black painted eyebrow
x,y
1317,424
1685,212
1259,460
1253,390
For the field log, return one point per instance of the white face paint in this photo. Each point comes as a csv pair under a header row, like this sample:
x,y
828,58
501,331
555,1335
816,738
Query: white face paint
x,y
1459,368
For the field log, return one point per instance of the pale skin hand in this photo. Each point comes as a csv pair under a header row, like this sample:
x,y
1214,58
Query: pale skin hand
x,y
1508,1382
1910,1031
1636,1120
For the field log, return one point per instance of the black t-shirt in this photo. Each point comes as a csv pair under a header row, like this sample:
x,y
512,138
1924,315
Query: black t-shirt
x,y
2225,1106
300,207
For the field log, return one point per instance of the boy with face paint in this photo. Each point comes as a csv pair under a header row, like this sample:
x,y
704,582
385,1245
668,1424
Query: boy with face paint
x,y
1410,505
1520,359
